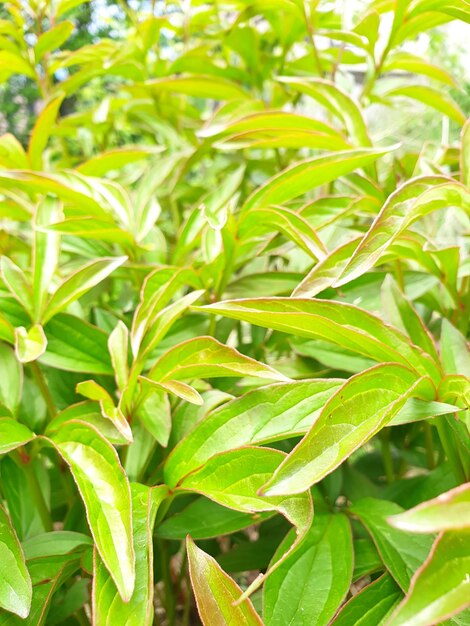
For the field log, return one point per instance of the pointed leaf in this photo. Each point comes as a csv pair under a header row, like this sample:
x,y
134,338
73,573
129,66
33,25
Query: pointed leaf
x,y
216,592
356,412
205,357
15,582
13,434
108,607
260,416
105,491
79,283
449,511
401,552
441,587
312,582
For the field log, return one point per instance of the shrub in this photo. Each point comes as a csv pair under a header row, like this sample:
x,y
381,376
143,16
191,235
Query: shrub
x,y
234,371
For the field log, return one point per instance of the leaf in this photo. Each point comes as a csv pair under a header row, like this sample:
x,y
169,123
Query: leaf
x,y
15,584
79,283
118,343
216,592
401,552
41,132
412,63
416,198
205,357
13,434
292,225
90,389
260,416
105,490
337,101
11,379
45,252
356,412
154,412
431,97
115,159
372,605
204,519
449,511
16,281
76,346
325,273
12,63
455,353
52,39
198,87
30,344
55,543
335,322
401,313
108,607
312,582
305,176
440,588
465,154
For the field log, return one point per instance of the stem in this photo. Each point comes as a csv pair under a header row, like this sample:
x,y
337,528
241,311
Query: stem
x,y
429,445
316,56
387,456
24,461
445,435
170,604
44,389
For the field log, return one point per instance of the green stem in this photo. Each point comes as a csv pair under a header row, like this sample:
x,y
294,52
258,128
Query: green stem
x,y
170,603
387,456
24,462
44,389
429,445
445,435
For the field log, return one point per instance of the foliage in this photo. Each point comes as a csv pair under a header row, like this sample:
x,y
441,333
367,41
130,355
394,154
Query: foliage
x,y
234,369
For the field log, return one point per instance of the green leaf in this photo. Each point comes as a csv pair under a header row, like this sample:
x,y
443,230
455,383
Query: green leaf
x,y
13,435
292,225
441,587
105,490
90,389
17,283
305,176
216,592
79,283
465,154
56,543
76,346
118,344
455,353
408,62
401,313
312,582
11,379
153,411
337,101
108,607
15,583
449,511
356,412
260,416
42,131
52,39
30,344
204,519
416,198
401,552
372,605
341,324
205,357
12,63
431,97
45,252
115,159
198,87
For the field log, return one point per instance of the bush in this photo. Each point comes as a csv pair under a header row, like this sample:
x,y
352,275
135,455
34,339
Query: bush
x,y
234,370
